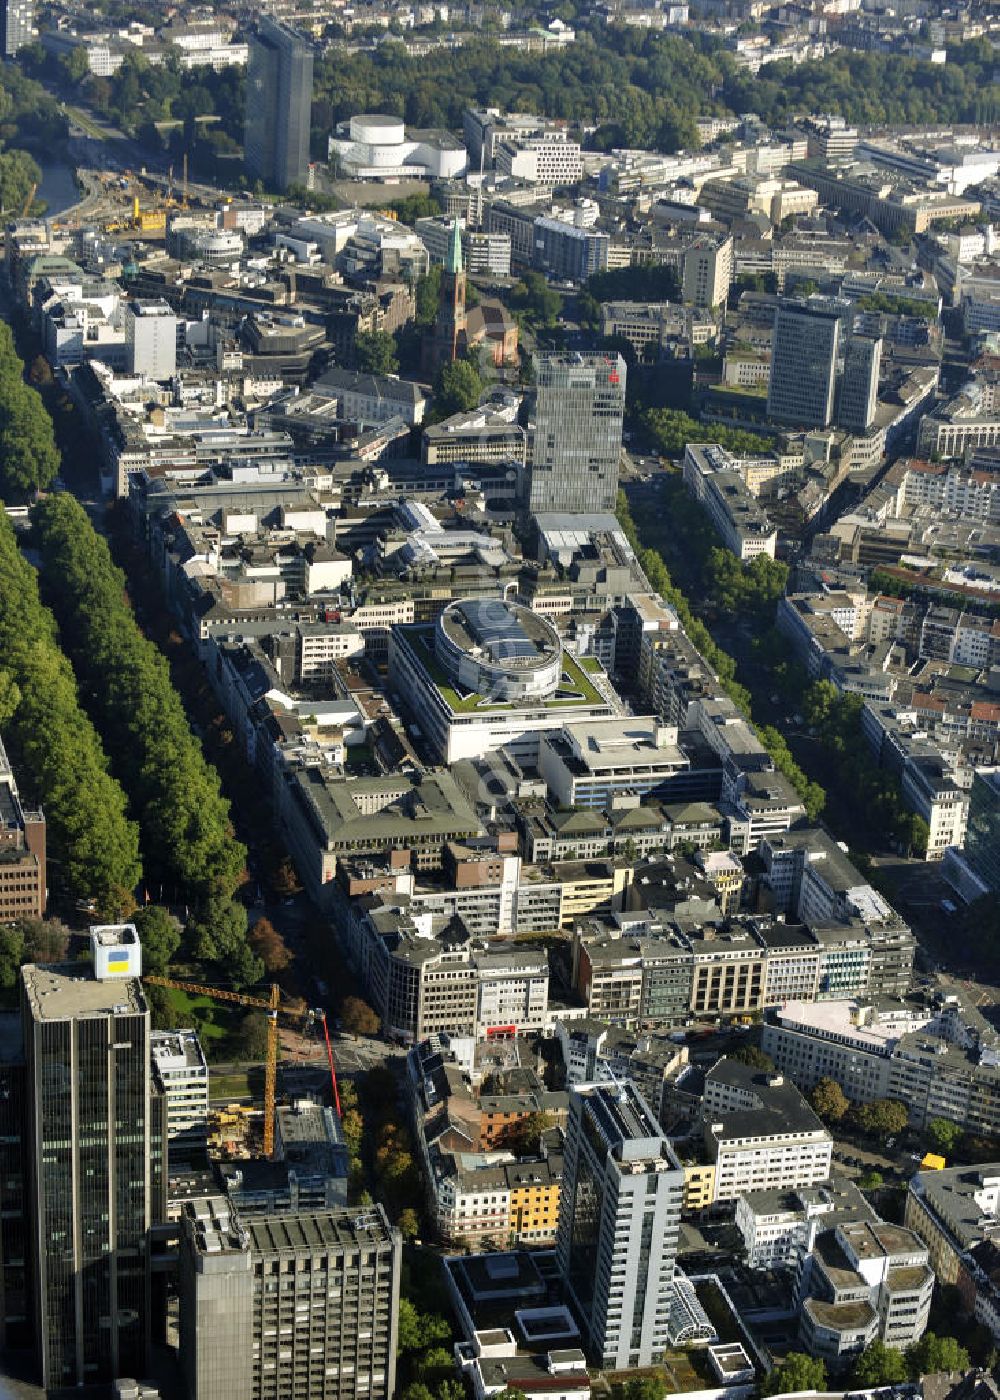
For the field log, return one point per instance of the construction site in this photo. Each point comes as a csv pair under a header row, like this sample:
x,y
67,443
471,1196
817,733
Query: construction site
x,y
130,203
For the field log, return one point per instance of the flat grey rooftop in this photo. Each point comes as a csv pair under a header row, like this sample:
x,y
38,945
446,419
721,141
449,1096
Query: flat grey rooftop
x,y
305,1232
61,992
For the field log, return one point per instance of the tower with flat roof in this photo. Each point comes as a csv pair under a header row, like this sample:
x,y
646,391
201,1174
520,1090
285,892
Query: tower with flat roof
x,y
807,341
279,105
90,1151
291,1303
578,433
619,1219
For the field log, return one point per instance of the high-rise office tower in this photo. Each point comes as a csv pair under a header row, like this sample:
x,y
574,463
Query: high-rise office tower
x,y
15,1234
578,433
294,1303
982,839
17,18
279,105
807,337
858,397
619,1217
90,1155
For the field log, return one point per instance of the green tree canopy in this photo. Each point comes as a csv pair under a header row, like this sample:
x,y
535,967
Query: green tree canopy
x,y
375,352
883,1117
796,1372
933,1354
55,749
879,1365
644,1388
753,1056
944,1135
186,833
159,935
457,387
829,1100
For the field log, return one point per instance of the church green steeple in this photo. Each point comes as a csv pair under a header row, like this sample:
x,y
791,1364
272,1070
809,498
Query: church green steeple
x,y
454,261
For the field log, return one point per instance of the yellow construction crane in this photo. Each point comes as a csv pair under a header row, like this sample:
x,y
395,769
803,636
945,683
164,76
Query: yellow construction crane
x,y
272,1005
28,202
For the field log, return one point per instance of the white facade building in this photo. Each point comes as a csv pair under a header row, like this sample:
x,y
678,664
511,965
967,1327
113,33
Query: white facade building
x,y
151,339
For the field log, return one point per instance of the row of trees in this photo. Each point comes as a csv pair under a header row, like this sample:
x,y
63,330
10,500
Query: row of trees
x,y
29,459
671,430
93,846
811,793
878,1365
659,578
185,831
881,1118
837,720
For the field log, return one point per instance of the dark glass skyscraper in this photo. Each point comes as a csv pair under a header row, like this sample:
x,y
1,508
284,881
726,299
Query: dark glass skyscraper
x,y
89,1157
279,105
982,839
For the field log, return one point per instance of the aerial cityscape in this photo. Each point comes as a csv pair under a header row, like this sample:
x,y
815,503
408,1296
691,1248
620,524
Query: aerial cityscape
x,y
500,700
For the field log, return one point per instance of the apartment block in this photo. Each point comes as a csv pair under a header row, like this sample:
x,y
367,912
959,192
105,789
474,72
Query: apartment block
x,y
707,272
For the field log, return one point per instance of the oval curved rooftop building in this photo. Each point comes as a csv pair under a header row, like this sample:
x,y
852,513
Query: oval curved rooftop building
x,y
498,649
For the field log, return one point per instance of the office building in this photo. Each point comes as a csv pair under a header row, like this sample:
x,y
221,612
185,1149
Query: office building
x,y
278,1305
180,1073
760,1134
490,675
953,1211
707,272
17,17
22,852
779,1227
279,105
864,1281
804,362
578,433
982,837
859,383
619,1218
569,252
90,1150
15,1227
151,339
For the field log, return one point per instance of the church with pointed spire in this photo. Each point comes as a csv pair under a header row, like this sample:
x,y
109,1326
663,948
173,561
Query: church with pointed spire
x,y
447,340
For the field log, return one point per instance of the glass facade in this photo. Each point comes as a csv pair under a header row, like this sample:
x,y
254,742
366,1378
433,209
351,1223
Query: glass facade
x,y
279,104
578,433
982,841
89,1115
